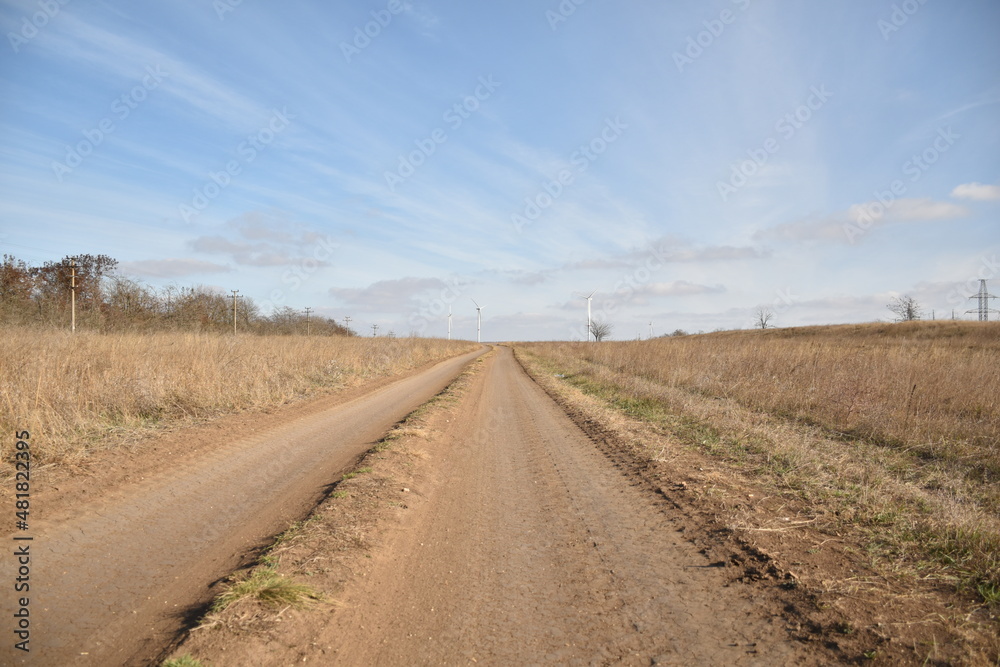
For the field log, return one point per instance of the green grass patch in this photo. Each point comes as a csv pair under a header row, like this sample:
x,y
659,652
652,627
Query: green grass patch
x,y
901,530
355,473
267,587
183,661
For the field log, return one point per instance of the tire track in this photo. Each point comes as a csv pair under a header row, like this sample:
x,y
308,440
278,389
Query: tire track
x,y
112,584
532,548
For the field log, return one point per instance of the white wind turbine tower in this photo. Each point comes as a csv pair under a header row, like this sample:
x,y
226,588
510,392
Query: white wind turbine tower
x,y
449,322
588,297
479,322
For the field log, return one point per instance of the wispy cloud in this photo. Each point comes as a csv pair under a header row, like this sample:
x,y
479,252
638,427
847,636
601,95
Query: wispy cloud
x,y
832,227
256,239
170,268
977,192
113,53
671,250
391,295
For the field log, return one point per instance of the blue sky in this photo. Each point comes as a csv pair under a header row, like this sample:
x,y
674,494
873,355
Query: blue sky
x,y
688,161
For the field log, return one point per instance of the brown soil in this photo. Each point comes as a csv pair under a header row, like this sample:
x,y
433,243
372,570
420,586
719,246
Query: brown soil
x,y
499,527
123,554
497,533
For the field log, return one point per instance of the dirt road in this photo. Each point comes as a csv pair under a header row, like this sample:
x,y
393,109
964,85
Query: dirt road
x,y
523,545
111,581
531,548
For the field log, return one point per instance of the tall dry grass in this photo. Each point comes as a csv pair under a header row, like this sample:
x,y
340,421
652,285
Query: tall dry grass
x,y
897,426
933,387
74,392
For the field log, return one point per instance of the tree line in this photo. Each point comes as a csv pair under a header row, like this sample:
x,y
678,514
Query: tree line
x,y
108,301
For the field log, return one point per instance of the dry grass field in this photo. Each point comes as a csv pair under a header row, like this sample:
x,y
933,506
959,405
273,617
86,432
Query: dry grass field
x,y
892,430
92,390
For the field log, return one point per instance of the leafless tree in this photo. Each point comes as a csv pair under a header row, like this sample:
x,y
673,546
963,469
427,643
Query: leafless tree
x,y
905,308
762,317
601,329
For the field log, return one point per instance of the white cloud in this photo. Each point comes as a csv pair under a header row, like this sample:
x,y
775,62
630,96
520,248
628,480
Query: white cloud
x,y
387,294
642,294
863,217
671,250
170,268
264,240
977,192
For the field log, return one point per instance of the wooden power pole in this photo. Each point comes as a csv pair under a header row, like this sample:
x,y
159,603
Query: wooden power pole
x,y
235,292
72,295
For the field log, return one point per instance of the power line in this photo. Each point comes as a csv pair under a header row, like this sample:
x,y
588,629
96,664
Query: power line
x,y
983,297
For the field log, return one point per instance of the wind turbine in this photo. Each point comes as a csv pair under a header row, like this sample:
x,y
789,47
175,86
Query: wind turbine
x,y
479,322
588,297
449,322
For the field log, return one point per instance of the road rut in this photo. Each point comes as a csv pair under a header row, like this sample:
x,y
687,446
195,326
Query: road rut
x,y
531,548
111,584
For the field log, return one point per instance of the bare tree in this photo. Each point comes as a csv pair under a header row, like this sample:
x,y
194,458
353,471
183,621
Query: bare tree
x,y
762,317
601,329
905,308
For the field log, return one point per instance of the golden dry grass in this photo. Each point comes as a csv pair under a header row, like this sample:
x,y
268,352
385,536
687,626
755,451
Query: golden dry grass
x,y
74,392
895,429
925,385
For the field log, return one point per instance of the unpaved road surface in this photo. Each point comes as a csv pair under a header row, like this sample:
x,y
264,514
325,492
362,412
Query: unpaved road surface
x,y
111,582
523,545
531,548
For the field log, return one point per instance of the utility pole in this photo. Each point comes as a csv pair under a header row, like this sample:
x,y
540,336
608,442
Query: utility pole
x,y
374,330
347,324
650,331
235,292
308,310
983,297
72,295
